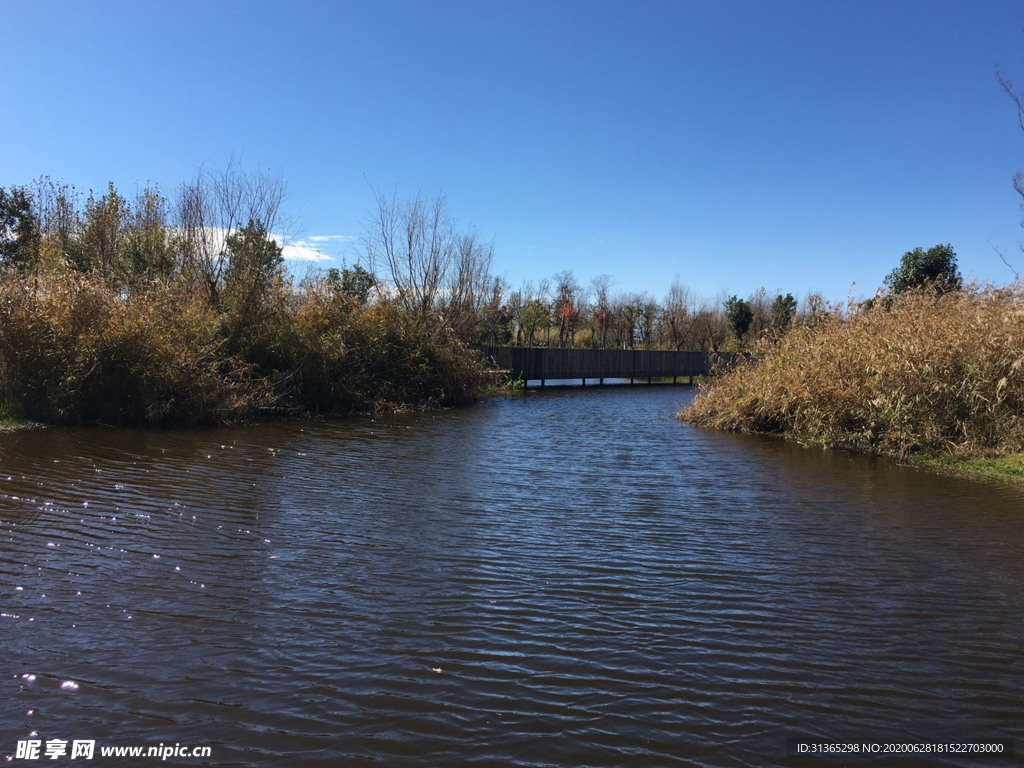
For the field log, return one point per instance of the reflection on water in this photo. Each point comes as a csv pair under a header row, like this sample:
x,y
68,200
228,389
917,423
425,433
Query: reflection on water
x,y
568,578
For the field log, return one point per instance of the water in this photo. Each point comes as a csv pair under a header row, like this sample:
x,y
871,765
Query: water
x,y
569,578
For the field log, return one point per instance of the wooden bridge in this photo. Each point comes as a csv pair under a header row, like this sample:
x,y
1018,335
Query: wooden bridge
x,y
545,364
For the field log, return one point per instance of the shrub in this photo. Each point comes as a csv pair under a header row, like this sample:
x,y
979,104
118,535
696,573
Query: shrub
x,y
73,350
349,355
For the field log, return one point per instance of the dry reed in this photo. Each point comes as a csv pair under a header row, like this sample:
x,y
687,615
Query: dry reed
x,y
919,372
74,349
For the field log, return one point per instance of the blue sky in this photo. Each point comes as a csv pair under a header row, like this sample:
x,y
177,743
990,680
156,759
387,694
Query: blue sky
x,y
801,146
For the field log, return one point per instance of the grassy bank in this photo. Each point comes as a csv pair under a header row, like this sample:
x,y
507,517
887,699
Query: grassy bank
x,y
75,349
1004,469
934,378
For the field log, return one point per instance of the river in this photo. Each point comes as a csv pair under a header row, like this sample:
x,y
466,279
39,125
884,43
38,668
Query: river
x,y
561,579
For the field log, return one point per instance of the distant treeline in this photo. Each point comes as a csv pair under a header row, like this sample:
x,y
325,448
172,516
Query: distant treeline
x,y
562,312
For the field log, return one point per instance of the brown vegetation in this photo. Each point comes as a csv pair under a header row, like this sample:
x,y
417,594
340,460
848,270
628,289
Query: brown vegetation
x,y
149,312
915,372
73,350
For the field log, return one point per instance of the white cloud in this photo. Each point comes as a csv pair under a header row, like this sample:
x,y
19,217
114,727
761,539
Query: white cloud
x,y
303,251
328,238
308,248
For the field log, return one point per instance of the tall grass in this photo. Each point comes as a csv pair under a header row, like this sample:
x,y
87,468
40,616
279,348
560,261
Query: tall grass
x,y
919,372
74,349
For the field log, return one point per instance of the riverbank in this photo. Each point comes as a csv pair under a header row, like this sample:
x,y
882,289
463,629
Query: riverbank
x,y
76,349
932,380
1003,469
12,424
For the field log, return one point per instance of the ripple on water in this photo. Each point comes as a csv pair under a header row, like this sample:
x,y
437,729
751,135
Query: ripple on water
x,y
564,579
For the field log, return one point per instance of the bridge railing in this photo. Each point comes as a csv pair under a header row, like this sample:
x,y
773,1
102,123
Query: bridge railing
x,y
544,363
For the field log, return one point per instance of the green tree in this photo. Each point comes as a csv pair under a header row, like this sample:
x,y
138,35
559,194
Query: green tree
x,y
19,229
782,313
355,283
935,267
739,316
536,315
254,261
105,221
146,245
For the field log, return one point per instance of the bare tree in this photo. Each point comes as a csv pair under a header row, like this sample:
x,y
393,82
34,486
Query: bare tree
x,y
636,314
441,276
494,314
534,312
761,307
59,221
710,326
567,298
413,243
622,320
471,295
815,308
650,321
1017,97
211,209
515,307
679,315
601,286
